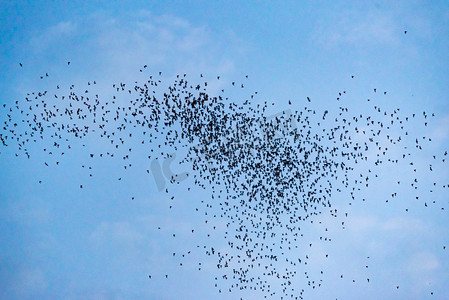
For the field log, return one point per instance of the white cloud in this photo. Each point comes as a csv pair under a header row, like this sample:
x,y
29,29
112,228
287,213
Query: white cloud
x,y
423,269
423,262
441,132
401,224
110,46
30,281
43,40
386,236
358,29
27,211
119,232
363,224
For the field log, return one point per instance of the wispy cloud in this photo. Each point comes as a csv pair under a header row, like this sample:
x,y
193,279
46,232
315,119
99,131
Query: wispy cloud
x,y
120,232
441,132
121,46
356,28
43,40
23,283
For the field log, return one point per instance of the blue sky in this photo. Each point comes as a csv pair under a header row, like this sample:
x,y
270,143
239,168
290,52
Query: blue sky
x,y
60,242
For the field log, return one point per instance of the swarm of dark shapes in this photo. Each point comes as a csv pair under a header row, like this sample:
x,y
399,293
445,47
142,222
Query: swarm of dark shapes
x,y
269,173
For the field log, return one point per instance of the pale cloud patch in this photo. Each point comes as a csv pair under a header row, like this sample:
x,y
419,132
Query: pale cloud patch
x,y
423,268
30,211
43,40
30,281
114,47
441,132
361,224
120,232
423,262
169,19
178,225
384,234
404,224
358,29
101,293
